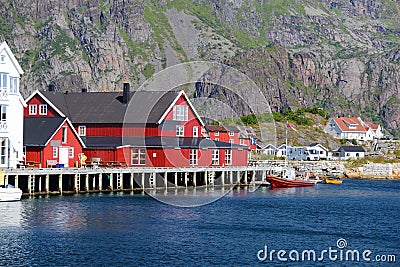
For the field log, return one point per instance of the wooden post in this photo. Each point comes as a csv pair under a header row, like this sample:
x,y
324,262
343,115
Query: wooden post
x,y
40,184
186,179
76,183
111,181
29,184
143,180
223,178
60,183
245,177
176,179
194,179
16,181
94,182
100,181
87,182
231,177
206,178
253,177
47,184
238,177
166,180
131,180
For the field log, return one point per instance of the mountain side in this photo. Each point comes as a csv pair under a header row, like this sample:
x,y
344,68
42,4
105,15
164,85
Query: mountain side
x,y
341,55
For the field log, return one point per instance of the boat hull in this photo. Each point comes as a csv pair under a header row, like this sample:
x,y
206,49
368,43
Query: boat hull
x,y
10,194
332,181
277,182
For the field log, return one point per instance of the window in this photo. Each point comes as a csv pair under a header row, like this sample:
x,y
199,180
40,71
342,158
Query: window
x,y
32,109
241,141
13,85
228,157
216,139
64,134
3,109
71,152
3,81
215,157
216,133
43,109
3,151
180,113
2,59
82,130
195,131
193,157
231,133
138,156
180,130
55,152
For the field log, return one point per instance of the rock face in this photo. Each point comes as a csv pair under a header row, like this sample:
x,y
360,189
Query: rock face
x,y
341,55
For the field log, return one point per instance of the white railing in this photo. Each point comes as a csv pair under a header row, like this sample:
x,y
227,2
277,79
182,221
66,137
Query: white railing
x,y
3,126
3,94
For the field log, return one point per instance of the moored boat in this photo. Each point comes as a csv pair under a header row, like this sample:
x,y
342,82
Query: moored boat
x,y
277,182
10,193
332,180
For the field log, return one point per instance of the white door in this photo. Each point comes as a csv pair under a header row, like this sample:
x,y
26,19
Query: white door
x,y
63,156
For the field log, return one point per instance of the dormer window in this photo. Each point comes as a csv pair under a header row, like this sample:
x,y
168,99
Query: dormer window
x,y
216,133
353,126
43,109
32,109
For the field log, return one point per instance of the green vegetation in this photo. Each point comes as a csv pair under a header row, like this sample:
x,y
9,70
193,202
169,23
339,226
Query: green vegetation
x,y
148,71
355,163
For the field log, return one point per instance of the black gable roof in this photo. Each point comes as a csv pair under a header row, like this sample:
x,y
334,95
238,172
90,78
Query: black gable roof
x,y
37,131
352,148
107,107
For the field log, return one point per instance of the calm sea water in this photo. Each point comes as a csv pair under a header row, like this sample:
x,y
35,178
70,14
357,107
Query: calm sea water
x,y
136,230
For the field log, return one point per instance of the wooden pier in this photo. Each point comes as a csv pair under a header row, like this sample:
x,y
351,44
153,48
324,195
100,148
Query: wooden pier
x,y
51,181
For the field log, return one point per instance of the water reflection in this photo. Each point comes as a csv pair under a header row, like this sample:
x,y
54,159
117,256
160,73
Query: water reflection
x,y
10,214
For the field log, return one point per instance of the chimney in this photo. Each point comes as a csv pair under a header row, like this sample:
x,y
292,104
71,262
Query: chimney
x,y
84,90
51,88
126,93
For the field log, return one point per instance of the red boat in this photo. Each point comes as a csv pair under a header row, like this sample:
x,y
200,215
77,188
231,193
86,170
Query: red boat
x,y
277,182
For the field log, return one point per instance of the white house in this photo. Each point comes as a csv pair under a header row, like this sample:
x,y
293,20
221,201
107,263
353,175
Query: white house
x,y
351,128
11,106
312,152
270,150
350,152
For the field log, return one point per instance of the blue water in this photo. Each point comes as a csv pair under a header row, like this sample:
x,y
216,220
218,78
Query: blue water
x,y
137,230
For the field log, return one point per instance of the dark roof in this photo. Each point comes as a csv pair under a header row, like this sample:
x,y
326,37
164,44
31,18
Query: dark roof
x,y
38,131
352,148
221,128
155,141
107,107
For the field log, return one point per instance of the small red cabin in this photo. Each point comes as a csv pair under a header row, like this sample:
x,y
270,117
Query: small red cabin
x,y
51,142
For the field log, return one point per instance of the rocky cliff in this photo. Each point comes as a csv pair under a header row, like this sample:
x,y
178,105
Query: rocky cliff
x,y
342,55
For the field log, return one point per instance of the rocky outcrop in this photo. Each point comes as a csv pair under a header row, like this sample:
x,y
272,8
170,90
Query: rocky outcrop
x,y
341,55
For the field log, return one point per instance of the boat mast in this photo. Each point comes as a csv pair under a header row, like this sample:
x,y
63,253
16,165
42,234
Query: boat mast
x,y
286,145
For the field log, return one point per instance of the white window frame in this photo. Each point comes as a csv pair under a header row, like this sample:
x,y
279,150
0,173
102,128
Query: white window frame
x,y
180,113
216,133
55,152
82,130
228,157
231,133
64,136
215,157
180,130
3,80
193,157
14,81
32,109
195,131
43,109
140,159
3,151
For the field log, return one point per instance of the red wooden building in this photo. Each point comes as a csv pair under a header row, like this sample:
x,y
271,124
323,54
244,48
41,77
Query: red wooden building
x,y
140,128
239,135
51,141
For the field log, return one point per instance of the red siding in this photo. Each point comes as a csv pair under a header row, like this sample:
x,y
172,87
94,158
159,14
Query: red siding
x,y
33,153
38,100
224,137
157,157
